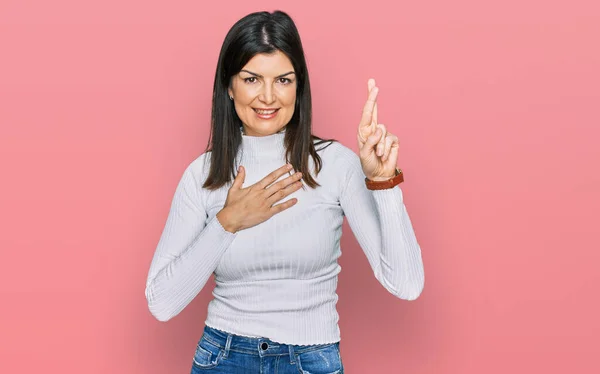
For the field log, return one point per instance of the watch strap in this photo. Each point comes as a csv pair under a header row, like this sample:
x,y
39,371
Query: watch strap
x,y
386,184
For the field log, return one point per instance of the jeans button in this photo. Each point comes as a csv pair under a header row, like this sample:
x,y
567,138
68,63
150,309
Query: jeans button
x,y
264,346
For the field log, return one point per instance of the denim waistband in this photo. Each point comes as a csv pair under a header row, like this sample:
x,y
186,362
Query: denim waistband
x,y
255,346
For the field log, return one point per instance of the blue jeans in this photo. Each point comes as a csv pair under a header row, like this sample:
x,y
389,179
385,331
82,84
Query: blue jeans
x,y
223,352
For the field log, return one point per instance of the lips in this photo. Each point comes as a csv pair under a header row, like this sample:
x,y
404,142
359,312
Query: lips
x,y
266,111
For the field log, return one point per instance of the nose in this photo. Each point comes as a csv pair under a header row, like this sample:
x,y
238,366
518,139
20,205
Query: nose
x,y
267,95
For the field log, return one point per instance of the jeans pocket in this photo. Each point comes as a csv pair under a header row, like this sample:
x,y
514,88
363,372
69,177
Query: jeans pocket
x,y
321,360
207,355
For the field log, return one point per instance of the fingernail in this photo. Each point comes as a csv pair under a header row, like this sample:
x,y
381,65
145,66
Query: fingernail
x,y
289,166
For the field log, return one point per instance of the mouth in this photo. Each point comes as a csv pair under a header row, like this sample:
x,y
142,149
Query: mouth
x,y
266,113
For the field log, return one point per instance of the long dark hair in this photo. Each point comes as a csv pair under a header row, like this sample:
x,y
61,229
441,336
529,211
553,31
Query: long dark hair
x,y
260,32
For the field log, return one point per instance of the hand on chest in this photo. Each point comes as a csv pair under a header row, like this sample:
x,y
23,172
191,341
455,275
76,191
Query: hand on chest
x,y
293,243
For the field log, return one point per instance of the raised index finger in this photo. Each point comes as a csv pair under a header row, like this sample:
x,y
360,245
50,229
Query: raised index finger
x,y
369,108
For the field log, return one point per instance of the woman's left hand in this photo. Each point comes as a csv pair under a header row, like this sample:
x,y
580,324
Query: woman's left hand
x,y
378,149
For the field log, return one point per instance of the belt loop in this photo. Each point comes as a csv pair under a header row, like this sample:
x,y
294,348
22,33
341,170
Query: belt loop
x,y
292,354
227,345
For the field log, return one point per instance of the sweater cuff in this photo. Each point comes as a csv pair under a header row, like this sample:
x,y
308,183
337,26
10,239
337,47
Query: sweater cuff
x,y
215,221
384,197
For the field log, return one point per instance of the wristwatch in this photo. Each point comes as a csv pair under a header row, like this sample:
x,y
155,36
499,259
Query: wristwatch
x,y
384,185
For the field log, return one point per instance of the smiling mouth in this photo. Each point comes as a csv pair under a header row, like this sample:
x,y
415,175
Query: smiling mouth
x,y
265,112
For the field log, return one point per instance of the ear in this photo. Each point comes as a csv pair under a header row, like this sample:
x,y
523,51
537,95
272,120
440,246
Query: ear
x,y
230,88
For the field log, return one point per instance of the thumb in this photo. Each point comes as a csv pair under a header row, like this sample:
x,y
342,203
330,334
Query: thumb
x,y
239,178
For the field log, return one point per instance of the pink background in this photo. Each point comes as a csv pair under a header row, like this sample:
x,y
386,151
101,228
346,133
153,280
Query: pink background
x,y
496,104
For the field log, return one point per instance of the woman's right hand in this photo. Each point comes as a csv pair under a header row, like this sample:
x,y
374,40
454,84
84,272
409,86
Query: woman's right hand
x,y
247,207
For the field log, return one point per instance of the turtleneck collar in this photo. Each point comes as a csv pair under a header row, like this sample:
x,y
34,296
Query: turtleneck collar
x,y
263,148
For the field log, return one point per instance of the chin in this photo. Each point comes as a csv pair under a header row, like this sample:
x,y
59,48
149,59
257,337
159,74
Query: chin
x,y
266,123
263,129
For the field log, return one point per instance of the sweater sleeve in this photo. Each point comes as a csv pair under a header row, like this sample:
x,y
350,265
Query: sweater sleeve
x,y
187,253
382,227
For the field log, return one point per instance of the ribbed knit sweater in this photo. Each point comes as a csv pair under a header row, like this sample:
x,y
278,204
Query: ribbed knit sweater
x,y
278,279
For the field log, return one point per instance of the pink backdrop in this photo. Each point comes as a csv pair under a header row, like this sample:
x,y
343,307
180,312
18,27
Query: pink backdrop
x,y
496,104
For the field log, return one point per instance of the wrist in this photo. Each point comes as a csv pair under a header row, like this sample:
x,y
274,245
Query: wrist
x,y
381,179
225,219
383,183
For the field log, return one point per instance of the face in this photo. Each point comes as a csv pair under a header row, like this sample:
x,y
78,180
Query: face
x,y
264,93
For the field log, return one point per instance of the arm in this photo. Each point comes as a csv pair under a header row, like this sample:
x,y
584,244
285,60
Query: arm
x,y
380,223
188,252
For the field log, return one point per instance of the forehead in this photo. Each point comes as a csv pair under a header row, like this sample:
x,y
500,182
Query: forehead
x,y
272,64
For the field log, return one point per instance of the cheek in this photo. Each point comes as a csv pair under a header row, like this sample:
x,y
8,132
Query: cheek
x,y
246,97
244,94
288,98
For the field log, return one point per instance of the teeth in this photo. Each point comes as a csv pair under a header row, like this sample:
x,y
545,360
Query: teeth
x,y
265,111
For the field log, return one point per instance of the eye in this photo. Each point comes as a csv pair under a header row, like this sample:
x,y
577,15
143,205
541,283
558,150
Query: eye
x,y
285,80
250,80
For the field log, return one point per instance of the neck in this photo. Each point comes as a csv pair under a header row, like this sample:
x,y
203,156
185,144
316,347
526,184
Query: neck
x,y
245,132
265,147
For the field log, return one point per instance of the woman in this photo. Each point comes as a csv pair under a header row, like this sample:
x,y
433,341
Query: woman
x,y
271,235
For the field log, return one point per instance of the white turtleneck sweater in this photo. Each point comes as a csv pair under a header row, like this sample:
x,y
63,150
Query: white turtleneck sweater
x,y
278,279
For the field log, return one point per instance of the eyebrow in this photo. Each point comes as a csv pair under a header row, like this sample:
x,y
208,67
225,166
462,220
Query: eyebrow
x,y
260,76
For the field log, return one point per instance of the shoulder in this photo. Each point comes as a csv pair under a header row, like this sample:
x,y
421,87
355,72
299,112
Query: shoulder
x,y
200,164
197,170
339,160
339,155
